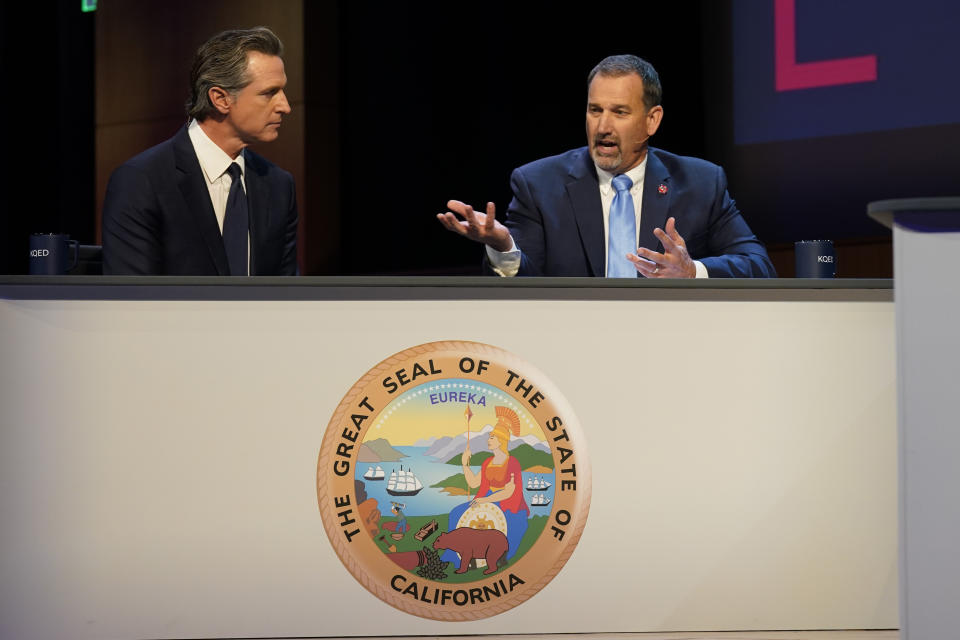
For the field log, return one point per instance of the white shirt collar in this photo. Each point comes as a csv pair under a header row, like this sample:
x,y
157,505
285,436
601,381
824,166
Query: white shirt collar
x,y
636,174
214,161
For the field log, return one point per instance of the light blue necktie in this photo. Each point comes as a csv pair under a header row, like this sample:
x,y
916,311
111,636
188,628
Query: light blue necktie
x,y
623,231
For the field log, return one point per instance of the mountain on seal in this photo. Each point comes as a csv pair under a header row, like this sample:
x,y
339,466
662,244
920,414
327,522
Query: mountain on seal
x,y
379,450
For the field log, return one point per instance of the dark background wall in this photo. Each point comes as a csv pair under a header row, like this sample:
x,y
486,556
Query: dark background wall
x,y
47,66
399,107
440,104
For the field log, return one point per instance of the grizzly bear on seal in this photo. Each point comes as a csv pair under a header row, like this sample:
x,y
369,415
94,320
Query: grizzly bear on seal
x,y
488,544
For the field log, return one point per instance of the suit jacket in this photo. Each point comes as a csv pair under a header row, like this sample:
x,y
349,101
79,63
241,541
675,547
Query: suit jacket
x,y
556,217
158,218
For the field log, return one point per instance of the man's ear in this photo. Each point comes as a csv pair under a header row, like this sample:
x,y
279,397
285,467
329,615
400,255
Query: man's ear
x,y
220,99
654,116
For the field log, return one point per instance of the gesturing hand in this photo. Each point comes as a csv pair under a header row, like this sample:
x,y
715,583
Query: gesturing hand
x,y
479,227
674,262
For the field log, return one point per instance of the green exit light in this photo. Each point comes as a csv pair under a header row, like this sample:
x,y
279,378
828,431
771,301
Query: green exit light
x,y
88,5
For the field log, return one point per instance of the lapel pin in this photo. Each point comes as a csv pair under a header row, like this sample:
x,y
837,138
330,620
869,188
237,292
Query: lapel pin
x,y
662,189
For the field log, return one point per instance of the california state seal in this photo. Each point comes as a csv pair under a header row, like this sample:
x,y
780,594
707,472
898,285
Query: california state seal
x,y
453,481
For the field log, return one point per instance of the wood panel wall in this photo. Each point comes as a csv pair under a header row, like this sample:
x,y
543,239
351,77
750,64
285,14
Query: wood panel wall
x,y
143,56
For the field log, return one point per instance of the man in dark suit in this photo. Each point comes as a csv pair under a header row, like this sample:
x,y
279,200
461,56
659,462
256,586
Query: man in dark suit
x,y
201,203
576,214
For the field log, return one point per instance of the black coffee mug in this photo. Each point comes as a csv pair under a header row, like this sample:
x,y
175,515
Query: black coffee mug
x,y
50,253
815,259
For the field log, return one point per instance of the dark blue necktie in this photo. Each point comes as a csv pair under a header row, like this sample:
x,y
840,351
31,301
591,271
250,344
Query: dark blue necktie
x,y
235,224
622,234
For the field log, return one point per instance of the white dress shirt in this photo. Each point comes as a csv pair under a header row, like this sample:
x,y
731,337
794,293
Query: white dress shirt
x,y
214,163
507,263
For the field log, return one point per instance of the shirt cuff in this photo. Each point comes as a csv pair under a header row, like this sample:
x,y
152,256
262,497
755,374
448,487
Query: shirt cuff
x,y
701,270
506,263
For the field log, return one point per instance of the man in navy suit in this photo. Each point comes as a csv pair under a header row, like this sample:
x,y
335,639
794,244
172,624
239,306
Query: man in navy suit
x,y
175,210
566,216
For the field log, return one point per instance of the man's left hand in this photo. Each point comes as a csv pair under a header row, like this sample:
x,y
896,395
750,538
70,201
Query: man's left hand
x,y
674,262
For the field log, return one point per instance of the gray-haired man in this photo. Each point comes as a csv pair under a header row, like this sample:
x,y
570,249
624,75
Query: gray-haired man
x,y
201,203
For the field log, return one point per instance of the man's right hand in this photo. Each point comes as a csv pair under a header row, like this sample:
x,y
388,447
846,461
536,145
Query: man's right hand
x,y
476,226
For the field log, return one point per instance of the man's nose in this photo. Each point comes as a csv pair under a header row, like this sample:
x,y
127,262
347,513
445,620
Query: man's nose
x,y
604,123
282,105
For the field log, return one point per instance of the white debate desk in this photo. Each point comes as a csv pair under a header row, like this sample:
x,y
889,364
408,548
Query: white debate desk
x,y
159,441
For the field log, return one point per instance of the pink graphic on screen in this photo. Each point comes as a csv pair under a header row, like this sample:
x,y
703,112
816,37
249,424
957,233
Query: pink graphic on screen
x,y
791,75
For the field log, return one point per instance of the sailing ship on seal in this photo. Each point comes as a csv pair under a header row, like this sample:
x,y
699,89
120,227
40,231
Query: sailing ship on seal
x,y
374,473
539,500
403,483
537,484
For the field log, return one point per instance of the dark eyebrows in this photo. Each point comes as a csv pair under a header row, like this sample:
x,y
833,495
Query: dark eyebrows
x,y
615,107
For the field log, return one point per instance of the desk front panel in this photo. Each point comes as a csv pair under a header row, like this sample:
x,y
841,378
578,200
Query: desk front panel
x,y
158,463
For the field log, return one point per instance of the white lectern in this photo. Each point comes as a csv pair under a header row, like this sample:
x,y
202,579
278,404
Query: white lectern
x,y
926,244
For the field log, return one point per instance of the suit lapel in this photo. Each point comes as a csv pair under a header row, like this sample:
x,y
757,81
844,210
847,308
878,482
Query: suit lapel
x,y
584,191
195,193
653,211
